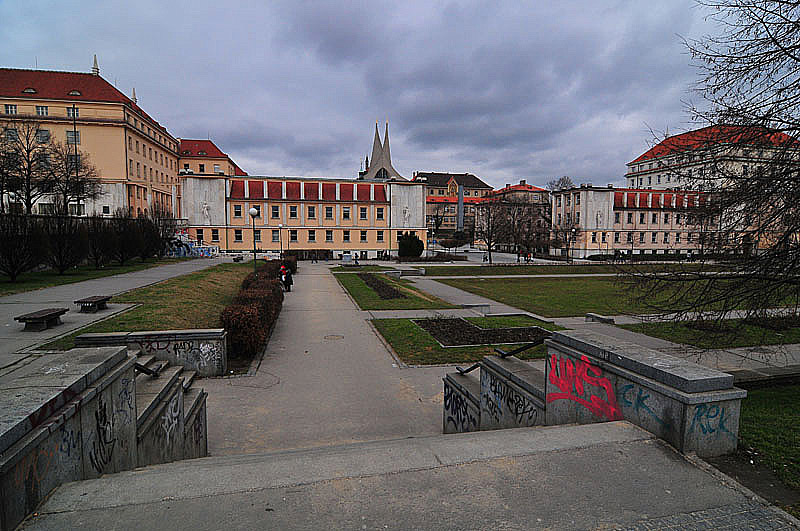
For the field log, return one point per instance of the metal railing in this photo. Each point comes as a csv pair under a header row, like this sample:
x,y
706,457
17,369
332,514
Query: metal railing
x,y
503,354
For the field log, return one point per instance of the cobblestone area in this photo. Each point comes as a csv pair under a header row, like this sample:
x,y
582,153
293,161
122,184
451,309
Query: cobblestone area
x,y
745,516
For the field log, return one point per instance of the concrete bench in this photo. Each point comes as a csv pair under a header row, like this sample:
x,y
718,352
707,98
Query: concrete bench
x,y
43,319
92,304
597,318
238,258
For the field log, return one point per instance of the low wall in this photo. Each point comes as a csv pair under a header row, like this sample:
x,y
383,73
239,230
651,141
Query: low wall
x,y
511,395
461,411
64,417
201,350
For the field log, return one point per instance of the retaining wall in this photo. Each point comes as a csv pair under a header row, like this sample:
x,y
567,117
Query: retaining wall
x,y
201,350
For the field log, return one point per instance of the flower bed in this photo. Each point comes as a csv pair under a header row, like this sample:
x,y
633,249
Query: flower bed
x,y
452,332
381,287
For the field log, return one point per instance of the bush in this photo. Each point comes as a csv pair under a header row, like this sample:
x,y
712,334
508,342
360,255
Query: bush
x,y
67,242
22,244
127,237
267,296
409,245
102,240
269,271
246,335
438,257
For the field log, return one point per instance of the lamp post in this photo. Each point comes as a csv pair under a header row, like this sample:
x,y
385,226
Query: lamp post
x,y
574,241
253,213
280,238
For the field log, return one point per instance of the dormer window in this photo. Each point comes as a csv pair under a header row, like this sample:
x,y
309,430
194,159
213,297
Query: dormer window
x,y
185,152
29,90
202,153
74,93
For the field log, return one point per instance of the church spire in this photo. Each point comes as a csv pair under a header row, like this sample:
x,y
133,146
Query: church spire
x,y
377,149
386,153
95,67
366,162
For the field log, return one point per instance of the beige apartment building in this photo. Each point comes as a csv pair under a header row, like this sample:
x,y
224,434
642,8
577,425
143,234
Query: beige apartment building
x,y
135,156
441,199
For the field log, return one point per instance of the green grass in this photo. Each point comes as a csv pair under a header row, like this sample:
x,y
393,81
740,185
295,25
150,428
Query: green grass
x,y
368,299
45,279
415,346
736,334
361,269
554,297
456,271
195,300
511,321
770,423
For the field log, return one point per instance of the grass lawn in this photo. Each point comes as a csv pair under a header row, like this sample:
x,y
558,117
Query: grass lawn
x,y
415,346
737,335
770,424
457,271
361,269
189,301
45,279
553,297
368,299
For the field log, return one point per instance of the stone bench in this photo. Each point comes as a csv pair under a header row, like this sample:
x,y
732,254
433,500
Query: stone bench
x,y
238,258
479,307
42,319
597,318
92,304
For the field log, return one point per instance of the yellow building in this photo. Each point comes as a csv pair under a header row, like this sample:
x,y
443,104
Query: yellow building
x,y
136,157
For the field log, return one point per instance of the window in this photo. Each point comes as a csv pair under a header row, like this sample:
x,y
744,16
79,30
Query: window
x,y
666,218
649,181
641,237
77,209
237,235
138,169
312,212
106,209
258,210
200,235
73,161
559,220
328,212
216,168
11,134
293,235
568,200
603,237
653,237
363,236
568,218
666,237
577,199
345,212
276,235
362,212
72,112
616,217
441,192
594,237
328,235
558,199
678,219
73,137
641,217
630,237
42,136
10,109
616,237
577,217
677,237
655,218
257,235
41,110
630,217
237,211
312,235
275,212
380,235
658,179
185,164
346,236
293,212
151,153
202,168
215,235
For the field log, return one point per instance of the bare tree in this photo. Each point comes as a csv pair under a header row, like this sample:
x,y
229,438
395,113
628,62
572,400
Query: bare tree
x,y
28,149
561,183
73,177
438,217
745,163
491,224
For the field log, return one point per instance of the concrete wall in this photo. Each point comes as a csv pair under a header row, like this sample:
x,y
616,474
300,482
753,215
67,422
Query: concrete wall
x,y
203,201
407,206
201,350
461,412
509,397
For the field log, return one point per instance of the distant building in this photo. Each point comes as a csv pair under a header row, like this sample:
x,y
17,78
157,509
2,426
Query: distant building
x,y
590,220
379,167
534,204
135,156
442,199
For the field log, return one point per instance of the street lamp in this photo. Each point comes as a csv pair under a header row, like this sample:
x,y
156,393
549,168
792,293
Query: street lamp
x,y
280,237
253,214
574,240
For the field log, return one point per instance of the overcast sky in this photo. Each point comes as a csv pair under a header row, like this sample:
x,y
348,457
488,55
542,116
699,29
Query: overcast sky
x,y
505,90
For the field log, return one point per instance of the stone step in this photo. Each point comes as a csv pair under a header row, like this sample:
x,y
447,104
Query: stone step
x,y
192,398
188,378
195,424
160,435
150,391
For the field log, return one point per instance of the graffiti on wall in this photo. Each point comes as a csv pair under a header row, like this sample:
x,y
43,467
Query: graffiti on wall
x,y
583,382
199,354
171,417
712,420
125,413
639,403
457,411
502,396
104,441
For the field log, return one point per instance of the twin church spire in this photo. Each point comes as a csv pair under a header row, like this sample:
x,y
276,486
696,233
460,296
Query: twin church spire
x,y
379,166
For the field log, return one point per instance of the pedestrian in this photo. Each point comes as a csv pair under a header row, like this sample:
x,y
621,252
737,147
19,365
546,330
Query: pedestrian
x,y
287,280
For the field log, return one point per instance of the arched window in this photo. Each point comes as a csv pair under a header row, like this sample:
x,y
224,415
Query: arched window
x,y
382,174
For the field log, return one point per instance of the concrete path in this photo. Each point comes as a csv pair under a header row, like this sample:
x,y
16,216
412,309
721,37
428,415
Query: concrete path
x,y
608,476
326,379
13,339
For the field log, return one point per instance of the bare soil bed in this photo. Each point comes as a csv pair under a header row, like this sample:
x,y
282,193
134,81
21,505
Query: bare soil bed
x,y
381,287
453,332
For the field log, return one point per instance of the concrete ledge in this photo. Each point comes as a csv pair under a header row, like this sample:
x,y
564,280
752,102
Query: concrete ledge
x,y
393,274
597,318
416,272
478,307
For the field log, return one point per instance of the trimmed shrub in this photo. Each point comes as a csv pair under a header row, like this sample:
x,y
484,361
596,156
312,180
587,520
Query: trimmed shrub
x,y
246,335
409,245
67,242
22,244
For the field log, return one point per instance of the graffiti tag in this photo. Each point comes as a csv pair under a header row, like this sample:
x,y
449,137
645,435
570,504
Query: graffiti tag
x,y
458,411
711,419
104,440
573,380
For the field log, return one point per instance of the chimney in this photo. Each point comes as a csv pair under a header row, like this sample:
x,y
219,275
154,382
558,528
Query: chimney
x,y
588,185
508,185
611,185
133,96
522,182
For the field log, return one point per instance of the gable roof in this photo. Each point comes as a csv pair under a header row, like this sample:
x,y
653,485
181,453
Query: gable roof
x,y
192,149
518,188
58,85
441,179
717,134
237,170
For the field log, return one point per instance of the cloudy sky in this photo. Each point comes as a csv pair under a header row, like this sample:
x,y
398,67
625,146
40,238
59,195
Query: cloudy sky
x,y
506,90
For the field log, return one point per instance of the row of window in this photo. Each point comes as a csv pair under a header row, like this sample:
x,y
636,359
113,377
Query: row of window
x,y
653,218
41,110
152,134
568,199
147,152
442,191
690,237
155,175
275,212
311,235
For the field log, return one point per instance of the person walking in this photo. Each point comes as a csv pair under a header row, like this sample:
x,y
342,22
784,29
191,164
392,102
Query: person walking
x,y
288,280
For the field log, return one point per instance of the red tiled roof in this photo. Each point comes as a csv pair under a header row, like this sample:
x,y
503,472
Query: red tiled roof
x,y
346,192
518,188
237,189
255,189
362,192
238,171
192,148
380,193
311,190
329,191
292,190
709,136
450,199
275,190
57,85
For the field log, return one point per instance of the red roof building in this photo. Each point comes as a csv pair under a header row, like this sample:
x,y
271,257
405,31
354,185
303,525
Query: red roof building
x,y
203,157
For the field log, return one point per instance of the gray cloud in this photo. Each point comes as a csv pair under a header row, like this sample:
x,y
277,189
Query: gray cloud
x,y
504,90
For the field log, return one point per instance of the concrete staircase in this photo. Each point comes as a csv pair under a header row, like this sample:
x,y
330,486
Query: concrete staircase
x,y
170,413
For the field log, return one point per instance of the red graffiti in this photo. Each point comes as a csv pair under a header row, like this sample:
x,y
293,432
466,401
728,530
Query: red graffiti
x,y
51,407
570,379
34,467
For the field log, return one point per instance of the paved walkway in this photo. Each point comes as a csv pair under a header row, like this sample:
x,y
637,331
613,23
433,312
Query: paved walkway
x,y
325,379
14,342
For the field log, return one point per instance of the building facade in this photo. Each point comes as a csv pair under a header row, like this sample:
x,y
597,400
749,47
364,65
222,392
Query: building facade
x,y
528,207
136,157
441,200
589,220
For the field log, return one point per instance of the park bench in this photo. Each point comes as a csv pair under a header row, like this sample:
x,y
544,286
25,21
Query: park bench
x,y
92,304
43,319
238,258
